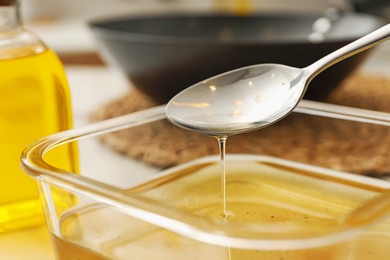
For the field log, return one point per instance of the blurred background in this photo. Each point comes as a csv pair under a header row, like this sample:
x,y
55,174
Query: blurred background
x,y
91,8
63,23
66,27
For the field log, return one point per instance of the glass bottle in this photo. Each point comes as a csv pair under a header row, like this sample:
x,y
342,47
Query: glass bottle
x,y
34,102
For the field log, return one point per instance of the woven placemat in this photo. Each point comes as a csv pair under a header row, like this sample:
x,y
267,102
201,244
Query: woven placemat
x,y
336,144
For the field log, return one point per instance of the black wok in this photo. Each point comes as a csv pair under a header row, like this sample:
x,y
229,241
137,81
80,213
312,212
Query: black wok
x,y
163,54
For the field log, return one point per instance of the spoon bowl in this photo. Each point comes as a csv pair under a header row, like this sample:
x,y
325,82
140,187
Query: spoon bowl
x,y
237,101
256,96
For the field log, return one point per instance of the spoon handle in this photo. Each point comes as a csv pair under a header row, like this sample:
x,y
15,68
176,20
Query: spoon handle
x,y
361,44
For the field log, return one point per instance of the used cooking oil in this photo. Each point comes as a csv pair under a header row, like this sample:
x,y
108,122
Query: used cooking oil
x,y
257,194
34,102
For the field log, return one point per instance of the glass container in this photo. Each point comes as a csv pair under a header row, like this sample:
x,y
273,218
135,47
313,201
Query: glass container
x,y
299,189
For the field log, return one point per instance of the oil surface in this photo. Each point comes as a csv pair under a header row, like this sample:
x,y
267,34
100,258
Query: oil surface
x,y
256,194
34,102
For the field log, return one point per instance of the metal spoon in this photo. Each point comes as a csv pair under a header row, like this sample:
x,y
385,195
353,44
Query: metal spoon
x,y
256,96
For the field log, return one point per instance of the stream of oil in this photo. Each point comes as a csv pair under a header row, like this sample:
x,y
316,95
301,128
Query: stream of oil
x,y
225,213
222,152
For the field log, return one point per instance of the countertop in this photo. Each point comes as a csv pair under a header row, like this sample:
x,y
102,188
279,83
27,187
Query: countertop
x,y
91,86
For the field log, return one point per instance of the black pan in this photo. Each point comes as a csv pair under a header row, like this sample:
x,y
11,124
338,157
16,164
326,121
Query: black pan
x,y
163,54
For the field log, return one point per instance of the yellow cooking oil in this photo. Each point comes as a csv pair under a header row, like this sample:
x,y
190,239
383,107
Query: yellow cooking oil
x,y
34,102
291,201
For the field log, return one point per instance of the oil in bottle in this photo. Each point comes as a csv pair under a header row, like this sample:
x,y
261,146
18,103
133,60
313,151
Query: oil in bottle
x,y
34,102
